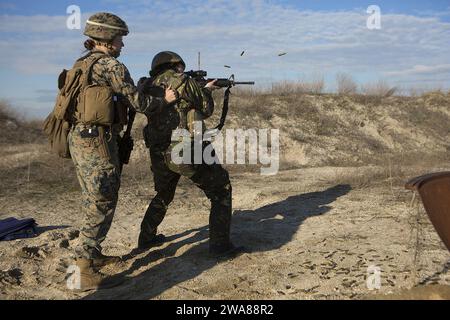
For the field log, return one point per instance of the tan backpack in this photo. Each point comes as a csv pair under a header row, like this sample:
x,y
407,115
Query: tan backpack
x,y
70,84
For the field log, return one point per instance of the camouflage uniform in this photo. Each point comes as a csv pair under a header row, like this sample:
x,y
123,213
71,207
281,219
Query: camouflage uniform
x,y
96,158
212,179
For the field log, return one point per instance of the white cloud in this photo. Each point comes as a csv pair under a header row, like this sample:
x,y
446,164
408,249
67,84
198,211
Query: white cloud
x,y
313,40
421,70
331,41
32,24
408,49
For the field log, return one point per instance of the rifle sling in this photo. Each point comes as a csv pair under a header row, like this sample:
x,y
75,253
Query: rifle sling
x,y
131,117
226,100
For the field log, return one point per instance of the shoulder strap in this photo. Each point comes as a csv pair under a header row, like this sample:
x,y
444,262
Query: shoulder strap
x,y
156,80
87,67
182,93
179,86
183,81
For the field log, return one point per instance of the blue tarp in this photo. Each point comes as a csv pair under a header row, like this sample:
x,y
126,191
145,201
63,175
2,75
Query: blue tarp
x,y
12,228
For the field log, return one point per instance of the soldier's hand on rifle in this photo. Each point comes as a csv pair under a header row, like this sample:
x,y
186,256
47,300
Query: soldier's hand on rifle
x,y
211,85
170,95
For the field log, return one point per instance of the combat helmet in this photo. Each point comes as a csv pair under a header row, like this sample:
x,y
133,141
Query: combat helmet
x,y
105,26
165,58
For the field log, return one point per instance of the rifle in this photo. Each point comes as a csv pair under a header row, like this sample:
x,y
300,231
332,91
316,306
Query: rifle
x,y
126,142
200,77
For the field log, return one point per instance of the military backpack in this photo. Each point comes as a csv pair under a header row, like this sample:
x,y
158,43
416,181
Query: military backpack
x,y
78,101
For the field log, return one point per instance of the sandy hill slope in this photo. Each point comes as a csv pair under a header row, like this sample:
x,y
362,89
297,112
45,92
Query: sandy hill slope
x,y
348,130
328,129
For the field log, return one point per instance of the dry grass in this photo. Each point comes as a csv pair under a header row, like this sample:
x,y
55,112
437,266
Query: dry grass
x,y
6,112
436,98
380,88
315,86
423,90
345,84
16,130
35,168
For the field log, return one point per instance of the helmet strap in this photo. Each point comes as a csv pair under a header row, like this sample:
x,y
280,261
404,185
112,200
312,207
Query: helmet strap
x,y
108,46
104,44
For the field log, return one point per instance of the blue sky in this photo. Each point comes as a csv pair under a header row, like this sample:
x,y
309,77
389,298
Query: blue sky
x,y
322,38
51,7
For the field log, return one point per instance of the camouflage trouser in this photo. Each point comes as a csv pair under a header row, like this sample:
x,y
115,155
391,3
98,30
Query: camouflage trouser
x,y
212,179
98,171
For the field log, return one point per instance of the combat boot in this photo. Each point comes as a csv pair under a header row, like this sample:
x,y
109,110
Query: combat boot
x,y
90,279
99,260
225,251
144,243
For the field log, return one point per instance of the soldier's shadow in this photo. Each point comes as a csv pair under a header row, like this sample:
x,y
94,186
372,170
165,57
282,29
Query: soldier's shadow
x,y
264,229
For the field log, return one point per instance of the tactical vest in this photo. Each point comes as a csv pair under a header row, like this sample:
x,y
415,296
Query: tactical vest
x,y
96,104
185,107
177,81
80,102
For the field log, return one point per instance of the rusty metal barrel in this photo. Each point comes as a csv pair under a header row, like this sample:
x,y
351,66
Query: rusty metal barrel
x,y
434,190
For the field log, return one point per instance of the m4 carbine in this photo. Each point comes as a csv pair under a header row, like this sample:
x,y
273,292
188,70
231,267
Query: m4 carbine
x,y
200,77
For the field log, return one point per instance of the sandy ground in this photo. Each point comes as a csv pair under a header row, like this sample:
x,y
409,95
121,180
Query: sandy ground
x,y
307,236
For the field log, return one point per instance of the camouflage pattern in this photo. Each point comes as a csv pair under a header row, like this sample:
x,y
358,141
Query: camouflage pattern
x,y
105,26
96,159
108,71
165,58
212,179
99,178
163,121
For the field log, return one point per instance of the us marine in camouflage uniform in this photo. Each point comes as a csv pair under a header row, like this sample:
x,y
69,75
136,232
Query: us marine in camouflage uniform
x,y
194,104
94,147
